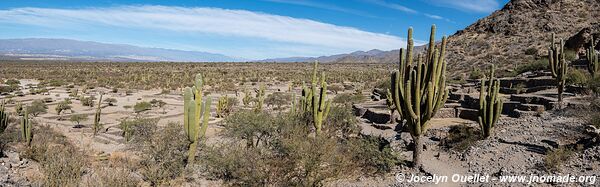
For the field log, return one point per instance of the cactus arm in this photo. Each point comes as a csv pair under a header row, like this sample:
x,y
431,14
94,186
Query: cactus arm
x,y
205,117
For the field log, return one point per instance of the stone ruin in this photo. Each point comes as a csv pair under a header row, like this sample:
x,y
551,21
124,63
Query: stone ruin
x,y
529,94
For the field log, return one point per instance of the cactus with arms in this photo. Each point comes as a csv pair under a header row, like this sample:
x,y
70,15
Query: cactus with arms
x,y
26,127
490,104
314,100
223,106
558,65
3,117
419,89
592,57
97,124
194,111
260,97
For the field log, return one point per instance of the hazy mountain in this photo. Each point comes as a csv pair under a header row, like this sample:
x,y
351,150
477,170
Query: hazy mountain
x,y
332,58
64,49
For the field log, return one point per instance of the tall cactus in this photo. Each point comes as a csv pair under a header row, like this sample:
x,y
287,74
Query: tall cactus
x,y
306,99
490,104
3,117
592,57
26,127
419,89
260,97
558,64
97,124
319,103
19,108
194,110
222,106
390,104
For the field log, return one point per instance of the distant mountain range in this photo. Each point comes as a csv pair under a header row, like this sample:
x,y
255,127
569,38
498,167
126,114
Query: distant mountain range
x,y
73,50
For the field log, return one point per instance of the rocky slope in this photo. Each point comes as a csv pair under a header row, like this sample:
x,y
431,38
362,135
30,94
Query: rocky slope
x,y
506,35
516,34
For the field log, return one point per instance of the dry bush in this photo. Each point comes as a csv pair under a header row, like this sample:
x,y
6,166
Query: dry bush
x,y
290,155
460,138
163,155
116,171
61,163
556,158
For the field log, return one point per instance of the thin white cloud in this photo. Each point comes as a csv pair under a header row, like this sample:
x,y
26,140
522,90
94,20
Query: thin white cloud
x,y
318,5
391,6
213,21
478,6
434,16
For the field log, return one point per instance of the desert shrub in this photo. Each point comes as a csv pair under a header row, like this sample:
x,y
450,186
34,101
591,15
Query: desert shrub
x,y
594,85
476,74
570,55
460,138
113,176
335,88
12,82
6,89
253,127
531,51
78,118
142,106
87,101
556,158
577,77
341,121
61,163
595,120
348,98
37,107
373,155
289,156
110,101
384,84
278,99
138,130
540,64
163,155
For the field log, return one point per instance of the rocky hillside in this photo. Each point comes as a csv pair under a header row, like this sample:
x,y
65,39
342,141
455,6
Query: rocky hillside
x,y
518,33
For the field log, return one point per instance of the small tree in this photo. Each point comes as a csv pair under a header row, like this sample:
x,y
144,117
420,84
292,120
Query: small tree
x,y
110,101
278,99
37,107
62,106
142,106
78,118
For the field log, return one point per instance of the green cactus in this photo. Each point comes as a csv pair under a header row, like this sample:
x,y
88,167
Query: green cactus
x,y
3,117
97,125
306,99
592,57
26,127
260,97
294,104
558,64
313,102
490,104
247,98
194,110
320,104
390,104
419,89
19,108
223,106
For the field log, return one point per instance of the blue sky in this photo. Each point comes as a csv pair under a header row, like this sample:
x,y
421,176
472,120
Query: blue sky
x,y
250,29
